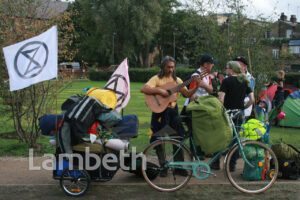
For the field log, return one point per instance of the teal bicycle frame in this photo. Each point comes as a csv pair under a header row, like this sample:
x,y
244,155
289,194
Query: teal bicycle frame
x,y
195,164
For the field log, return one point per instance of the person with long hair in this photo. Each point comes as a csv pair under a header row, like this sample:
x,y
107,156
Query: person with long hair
x,y
231,95
244,69
168,119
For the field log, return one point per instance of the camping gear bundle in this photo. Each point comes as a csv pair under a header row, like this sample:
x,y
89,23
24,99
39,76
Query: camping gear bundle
x,y
256,156
92,113
80,112
210,125
288,159
254,129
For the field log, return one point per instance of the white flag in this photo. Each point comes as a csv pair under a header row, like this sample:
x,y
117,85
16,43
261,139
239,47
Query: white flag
x,y
120,84
33,60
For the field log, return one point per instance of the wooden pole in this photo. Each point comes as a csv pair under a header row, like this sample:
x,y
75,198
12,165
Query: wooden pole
x,y
250,66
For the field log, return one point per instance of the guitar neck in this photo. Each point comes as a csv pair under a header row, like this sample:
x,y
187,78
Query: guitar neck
x,y
178,87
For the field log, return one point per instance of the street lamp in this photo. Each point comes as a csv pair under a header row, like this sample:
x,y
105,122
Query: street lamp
x,y
174,46
228,22
113,48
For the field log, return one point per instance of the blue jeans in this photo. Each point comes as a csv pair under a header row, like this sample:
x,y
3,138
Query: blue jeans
x,y
168,120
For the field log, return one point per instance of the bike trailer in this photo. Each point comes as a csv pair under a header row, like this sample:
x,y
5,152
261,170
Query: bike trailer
x,y
210,125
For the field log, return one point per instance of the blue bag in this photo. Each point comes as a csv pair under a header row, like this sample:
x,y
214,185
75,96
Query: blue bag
x,y
127,127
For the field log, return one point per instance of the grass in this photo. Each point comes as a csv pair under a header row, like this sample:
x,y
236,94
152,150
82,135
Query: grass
x,y
135,106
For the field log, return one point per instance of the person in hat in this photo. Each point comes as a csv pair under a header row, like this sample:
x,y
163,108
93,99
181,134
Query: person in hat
x,y
205,88
169,118
244,64
231,95
206,62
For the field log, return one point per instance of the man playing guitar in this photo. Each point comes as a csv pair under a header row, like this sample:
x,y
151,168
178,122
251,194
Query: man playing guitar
x,y
169,117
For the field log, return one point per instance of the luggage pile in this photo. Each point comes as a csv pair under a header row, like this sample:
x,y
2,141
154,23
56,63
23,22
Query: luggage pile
x,y
288,159
254,129
210,125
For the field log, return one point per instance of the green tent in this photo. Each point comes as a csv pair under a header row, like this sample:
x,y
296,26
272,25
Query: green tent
x,y
291,108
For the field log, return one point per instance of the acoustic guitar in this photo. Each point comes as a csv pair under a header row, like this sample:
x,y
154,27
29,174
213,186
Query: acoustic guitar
x,y
157,103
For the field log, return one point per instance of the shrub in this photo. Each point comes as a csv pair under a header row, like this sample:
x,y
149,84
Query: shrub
x,y
293,78
136,74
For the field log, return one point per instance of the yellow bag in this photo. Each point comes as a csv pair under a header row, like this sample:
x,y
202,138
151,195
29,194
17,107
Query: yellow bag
x,y
106,97
253,129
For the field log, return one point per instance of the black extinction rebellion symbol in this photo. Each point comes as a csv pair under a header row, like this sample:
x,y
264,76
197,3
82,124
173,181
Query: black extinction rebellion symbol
x,y
115,81
34,66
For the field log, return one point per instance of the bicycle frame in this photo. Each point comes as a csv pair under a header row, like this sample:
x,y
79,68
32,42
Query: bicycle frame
x,y
194,164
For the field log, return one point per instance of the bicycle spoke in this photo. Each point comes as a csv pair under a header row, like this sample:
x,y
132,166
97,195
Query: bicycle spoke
x,y
254,177
169,177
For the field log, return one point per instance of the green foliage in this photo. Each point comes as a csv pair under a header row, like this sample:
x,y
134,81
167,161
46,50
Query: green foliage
x,y
288,56
276,42
135,106
95,75
111,30
19,20
137,74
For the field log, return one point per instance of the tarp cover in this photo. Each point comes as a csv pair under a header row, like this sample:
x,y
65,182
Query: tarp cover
x,y
210,124
291,108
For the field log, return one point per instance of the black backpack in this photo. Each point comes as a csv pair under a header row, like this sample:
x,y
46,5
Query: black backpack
x,y
288,169
67,104
81,114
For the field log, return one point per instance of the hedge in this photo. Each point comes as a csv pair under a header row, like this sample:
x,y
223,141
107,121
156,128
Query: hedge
x,y
137,74
143,75
293,78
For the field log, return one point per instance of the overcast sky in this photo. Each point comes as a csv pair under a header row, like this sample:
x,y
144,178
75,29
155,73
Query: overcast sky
x,y
269,8
274,8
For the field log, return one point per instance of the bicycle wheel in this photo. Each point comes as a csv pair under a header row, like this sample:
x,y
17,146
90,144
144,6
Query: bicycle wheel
x,y
171,177
74,182
254,178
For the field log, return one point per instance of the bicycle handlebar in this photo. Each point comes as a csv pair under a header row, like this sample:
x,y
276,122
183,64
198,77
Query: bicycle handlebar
x,y
234,112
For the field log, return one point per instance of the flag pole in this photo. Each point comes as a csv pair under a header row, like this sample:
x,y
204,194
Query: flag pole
x,y
56,122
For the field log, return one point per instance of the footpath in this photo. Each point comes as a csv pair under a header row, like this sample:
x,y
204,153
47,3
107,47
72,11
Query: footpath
x,y
18,182
15,171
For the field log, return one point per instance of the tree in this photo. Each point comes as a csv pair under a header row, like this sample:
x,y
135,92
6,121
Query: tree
x,y
111,30
20,20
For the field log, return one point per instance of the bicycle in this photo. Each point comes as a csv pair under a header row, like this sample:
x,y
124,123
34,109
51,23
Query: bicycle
x,y
177,165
